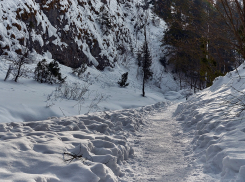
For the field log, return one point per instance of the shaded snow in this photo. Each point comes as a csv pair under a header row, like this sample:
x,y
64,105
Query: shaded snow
x,y
214,118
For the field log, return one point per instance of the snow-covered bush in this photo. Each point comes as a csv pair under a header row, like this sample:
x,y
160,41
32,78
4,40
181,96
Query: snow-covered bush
x,y
78,92
80,70
105,20
48,73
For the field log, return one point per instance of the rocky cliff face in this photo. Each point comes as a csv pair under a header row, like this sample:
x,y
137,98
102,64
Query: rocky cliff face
x,y
71,31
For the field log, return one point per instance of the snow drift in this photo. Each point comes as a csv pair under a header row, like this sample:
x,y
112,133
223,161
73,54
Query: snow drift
x,y
215,117
40,151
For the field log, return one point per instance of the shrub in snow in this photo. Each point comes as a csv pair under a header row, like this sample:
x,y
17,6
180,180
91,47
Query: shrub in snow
x,y
74,91
78,92
123,80
48,73
80,70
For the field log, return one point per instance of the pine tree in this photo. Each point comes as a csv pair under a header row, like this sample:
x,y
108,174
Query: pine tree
x,y
233,16
146,63
195,43
123,80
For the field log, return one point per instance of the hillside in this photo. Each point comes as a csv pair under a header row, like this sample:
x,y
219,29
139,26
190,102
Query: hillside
x,y
98,33
73,33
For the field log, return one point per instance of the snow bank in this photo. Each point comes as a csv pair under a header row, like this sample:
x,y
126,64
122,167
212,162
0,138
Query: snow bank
x,y
42,150
215,115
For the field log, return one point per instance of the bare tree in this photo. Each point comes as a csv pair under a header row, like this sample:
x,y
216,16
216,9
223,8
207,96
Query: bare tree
x,y
233,14
17,67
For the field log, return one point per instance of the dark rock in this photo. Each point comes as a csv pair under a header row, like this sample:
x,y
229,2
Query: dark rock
x,y
70,55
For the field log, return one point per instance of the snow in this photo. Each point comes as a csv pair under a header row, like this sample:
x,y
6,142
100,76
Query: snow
x,y
37,150
83,19
113,133
159,148
214,118
123,137
174,139
40,129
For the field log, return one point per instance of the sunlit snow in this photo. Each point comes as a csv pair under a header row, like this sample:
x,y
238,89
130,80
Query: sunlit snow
x,y
111,133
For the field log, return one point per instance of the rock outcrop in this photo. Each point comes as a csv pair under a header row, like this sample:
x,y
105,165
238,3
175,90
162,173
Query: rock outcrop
x,y
72,31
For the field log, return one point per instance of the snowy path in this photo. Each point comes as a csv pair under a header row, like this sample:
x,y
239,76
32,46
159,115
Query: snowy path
x,y
160,151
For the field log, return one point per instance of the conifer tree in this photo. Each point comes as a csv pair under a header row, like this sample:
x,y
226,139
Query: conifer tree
x,y
233,15
123,81
195,43
146,63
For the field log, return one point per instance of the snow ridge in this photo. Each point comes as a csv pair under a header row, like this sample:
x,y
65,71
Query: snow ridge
x,y
214,118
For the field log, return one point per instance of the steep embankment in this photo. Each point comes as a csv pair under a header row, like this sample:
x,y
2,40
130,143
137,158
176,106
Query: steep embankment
x,y
215,118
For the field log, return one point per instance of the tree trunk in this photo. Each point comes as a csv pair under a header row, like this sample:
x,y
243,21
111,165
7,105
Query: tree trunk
x,y
18,73
8,73
143,88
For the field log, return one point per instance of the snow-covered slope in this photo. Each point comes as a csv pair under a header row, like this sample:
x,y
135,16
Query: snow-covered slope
x,y
28,100
215,119
95,32
34,150
34,141
100,33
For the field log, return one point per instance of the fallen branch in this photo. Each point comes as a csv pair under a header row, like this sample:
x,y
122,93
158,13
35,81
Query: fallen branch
x,y
73,156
